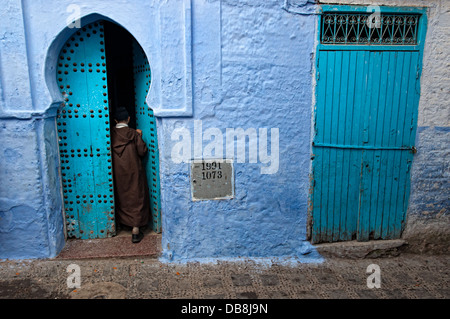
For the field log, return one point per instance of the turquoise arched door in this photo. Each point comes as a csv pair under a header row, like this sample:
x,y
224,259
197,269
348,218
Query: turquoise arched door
x,y
84,124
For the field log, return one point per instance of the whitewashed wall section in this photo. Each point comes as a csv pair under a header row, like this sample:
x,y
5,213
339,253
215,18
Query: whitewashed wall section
x,y
172,67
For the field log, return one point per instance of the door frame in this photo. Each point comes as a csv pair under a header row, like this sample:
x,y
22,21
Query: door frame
x,y
65,38
419,47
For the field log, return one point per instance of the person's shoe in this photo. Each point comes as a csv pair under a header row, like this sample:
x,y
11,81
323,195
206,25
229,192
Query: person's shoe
x,y
135,238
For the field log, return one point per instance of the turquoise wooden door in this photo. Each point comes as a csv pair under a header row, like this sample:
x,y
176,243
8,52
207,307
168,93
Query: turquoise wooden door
x,y
365,124
84,135
147,123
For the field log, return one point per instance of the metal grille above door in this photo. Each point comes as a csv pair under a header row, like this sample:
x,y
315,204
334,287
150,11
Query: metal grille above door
x,y
84,135
357,28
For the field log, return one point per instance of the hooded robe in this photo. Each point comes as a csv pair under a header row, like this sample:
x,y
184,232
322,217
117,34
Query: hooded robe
x,y
130,181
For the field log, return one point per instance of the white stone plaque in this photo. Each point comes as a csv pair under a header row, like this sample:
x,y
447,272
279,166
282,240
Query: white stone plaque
x,y
212,179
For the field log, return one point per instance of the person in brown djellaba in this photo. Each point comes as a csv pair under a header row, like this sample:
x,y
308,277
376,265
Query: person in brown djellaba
x,y
131,188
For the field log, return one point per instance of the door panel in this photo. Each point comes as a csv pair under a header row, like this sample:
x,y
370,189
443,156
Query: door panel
x,y
83,132
147,123
364,132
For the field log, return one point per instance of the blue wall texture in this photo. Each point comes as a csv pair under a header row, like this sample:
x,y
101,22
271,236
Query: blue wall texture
x,y
261,79
430,186
31,223
220,64
217,66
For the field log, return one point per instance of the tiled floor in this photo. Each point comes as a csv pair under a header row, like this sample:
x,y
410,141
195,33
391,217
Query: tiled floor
x,y
405,277
117,246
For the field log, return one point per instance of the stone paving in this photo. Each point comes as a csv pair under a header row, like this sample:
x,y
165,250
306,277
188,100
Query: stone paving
x,y
407,276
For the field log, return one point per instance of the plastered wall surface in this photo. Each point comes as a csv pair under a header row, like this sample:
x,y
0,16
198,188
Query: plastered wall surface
x,y
260,78
216,65
244,66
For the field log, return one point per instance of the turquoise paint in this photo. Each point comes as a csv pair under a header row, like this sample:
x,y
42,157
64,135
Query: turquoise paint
x,y
363,9
146,121
84,126
360,162
84,135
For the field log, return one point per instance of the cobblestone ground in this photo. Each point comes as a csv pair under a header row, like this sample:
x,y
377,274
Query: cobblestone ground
x,y
404,277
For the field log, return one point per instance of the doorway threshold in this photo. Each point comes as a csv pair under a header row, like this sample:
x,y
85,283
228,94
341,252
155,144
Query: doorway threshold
x,y
362,249
113,247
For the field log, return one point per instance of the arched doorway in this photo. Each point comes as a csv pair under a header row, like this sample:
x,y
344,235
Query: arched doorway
x,y
101,67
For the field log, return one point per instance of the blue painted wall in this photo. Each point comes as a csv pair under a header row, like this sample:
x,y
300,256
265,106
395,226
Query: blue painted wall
x,y
225,64
31,222
430,185
262,78
228,64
